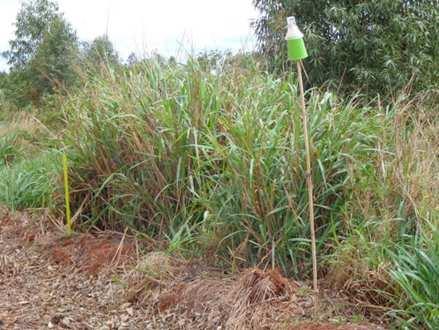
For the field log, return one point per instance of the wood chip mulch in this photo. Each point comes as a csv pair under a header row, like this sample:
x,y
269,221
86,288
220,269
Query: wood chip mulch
x,y
45,282
101,282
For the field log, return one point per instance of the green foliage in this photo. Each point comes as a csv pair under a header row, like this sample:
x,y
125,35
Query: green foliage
x,y
31,24
52,65
132,59
42,54
9,149
212,59
3,77
378,46
209,157
29,183
100,52
159,148
417,273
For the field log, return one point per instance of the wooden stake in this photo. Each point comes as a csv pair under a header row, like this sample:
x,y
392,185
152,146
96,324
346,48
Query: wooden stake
x,y
308,177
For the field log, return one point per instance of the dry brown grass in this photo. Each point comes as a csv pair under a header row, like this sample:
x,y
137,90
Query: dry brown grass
x,y
186,296
254,299
407,175
21,121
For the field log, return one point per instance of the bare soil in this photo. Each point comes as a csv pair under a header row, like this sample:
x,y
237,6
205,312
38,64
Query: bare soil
x,y
48,281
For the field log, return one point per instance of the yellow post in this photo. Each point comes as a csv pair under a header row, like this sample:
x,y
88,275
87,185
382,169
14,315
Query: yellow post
x,y
67,195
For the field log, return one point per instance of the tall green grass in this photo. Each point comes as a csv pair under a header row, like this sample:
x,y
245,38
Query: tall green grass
x,y
212,163
29,183
28,167
417,274
218,158
9,149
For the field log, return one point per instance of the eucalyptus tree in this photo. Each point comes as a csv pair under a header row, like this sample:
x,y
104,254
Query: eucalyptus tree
x,y
378,46
42,53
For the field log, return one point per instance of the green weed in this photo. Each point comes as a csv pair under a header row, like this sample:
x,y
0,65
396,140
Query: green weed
x,y
9,149
417,274
29,183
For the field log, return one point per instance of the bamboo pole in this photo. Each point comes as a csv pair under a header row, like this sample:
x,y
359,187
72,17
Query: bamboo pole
x,y
308,177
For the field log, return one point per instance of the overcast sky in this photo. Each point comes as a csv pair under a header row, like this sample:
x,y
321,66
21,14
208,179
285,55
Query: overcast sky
x,y
170,27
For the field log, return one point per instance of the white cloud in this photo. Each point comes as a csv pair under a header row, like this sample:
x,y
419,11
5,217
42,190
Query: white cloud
x,y
143,26
8,11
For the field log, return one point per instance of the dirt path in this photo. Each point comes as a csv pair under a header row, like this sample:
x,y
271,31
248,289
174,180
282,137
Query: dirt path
x,y
87,282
